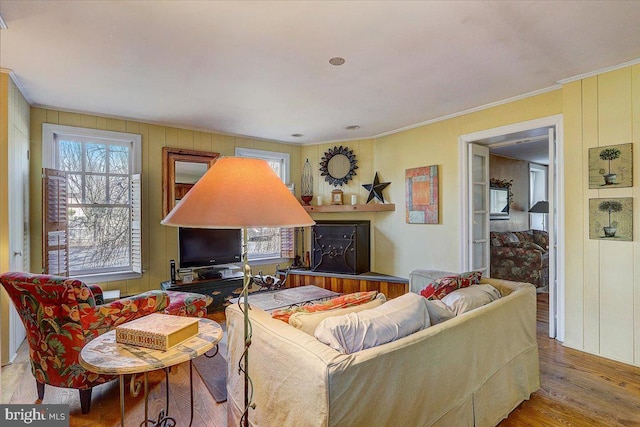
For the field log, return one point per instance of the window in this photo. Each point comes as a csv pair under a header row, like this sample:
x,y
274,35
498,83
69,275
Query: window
x,y
102,194
270,243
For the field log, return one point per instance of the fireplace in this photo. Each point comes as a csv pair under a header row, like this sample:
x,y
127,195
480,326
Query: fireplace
x,y
341,247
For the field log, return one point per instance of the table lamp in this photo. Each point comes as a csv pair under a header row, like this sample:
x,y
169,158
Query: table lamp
x,y
540,207
238,193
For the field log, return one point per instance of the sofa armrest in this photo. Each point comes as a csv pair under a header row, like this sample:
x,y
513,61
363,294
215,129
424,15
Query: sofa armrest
x,y
103,318
506,287
286,365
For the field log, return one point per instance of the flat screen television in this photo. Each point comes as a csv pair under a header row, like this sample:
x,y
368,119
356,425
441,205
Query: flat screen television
x,y
201,247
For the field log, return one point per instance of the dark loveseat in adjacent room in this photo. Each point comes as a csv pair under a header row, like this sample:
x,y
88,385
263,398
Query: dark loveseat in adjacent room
x,y
521,256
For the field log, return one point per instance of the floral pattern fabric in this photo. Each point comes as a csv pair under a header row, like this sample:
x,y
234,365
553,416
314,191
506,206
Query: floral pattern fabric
x,y
521,256
187,304
347,300
443,286
61,315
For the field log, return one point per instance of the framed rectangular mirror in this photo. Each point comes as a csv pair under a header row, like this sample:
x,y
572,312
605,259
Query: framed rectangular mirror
x,y
181,169
499,203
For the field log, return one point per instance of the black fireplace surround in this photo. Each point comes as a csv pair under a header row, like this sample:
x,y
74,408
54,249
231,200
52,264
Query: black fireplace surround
x,y
341,247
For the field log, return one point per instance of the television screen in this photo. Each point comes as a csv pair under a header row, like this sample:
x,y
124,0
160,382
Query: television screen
x,y
201,247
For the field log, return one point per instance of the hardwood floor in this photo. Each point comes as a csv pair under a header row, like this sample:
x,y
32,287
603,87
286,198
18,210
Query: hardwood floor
x,y
578,390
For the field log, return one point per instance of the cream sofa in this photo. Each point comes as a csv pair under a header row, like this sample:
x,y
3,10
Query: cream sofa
x,y
471,370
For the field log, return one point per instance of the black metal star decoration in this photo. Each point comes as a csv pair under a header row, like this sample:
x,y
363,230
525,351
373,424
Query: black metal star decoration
x,y
375,189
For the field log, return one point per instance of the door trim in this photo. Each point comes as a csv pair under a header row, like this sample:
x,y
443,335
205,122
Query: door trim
x,y
558,288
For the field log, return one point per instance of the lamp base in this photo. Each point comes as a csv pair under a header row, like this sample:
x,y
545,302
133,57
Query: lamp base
x,y
306,200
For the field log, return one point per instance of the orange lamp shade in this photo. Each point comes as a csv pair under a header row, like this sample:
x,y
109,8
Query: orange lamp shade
x,y
238,192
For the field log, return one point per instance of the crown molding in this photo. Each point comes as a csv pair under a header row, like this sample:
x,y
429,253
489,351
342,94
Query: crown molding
x,y
600,71
472,110
157,123
18,84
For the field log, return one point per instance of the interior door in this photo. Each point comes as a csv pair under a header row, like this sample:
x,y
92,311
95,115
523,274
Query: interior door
x,y
18,226
478,239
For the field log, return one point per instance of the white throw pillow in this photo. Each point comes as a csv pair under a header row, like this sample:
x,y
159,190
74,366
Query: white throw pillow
x,y
394,319
471,297
439,311
308,322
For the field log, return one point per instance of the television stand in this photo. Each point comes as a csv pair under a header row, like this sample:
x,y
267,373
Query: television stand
x,y
220,289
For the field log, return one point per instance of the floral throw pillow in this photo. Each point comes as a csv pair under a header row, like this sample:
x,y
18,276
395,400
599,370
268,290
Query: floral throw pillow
x,y
342,301
443,286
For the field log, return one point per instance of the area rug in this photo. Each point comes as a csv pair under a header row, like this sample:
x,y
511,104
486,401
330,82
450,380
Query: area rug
x,y
213,371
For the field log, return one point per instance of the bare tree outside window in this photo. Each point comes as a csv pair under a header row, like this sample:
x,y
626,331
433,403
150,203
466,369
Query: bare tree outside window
x,y
98,205
266,242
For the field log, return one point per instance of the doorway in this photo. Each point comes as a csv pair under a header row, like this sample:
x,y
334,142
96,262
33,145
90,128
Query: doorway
x,y
550,129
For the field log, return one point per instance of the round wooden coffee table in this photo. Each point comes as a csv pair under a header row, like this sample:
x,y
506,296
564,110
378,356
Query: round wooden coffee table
x,y
105,356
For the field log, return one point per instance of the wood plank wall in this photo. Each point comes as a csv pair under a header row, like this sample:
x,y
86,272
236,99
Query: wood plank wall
x,y
602,276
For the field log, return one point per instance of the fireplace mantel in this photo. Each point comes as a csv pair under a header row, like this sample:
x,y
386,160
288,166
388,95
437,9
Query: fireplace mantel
x,y
351,208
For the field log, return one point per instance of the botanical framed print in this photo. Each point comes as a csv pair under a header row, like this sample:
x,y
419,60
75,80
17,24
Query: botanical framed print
x,y
611,167
421,193
611,219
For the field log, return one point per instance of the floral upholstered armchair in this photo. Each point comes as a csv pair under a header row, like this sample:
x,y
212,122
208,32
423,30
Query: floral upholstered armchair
x,y
521,256
60,316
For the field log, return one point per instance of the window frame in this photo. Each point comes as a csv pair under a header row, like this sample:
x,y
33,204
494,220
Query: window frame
x,y
285,158
50,159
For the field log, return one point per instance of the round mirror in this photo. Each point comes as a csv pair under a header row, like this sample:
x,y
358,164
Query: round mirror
x,y
338,165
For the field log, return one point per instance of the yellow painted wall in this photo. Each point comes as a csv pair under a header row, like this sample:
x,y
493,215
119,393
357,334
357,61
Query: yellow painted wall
x,y
402,247
160,243
364,152
602,277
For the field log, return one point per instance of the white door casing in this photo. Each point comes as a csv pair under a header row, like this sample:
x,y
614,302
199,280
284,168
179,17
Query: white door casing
x,y
556,209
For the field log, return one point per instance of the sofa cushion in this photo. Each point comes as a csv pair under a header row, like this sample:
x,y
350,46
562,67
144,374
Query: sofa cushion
x,y
466,299
308,322
527,245
342,301
442,286
397,318
439,311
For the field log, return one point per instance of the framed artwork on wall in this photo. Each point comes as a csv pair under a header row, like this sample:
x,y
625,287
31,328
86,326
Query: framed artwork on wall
x,y
611,166
421,193
611,219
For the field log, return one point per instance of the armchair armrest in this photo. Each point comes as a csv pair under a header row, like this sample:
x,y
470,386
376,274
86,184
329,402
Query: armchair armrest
x,y
100,319
98,296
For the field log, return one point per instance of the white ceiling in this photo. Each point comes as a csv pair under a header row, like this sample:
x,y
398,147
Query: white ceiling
x,y
261,68
531,145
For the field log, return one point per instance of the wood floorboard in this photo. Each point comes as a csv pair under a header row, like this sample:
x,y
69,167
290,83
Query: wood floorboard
x,y
577,390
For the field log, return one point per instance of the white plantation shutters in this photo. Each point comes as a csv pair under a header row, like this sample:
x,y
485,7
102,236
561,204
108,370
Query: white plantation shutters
x,y
136,217
103,203
287,248
55,249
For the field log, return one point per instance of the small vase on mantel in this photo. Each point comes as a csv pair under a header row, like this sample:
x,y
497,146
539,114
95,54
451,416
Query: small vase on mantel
x,y
306,187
